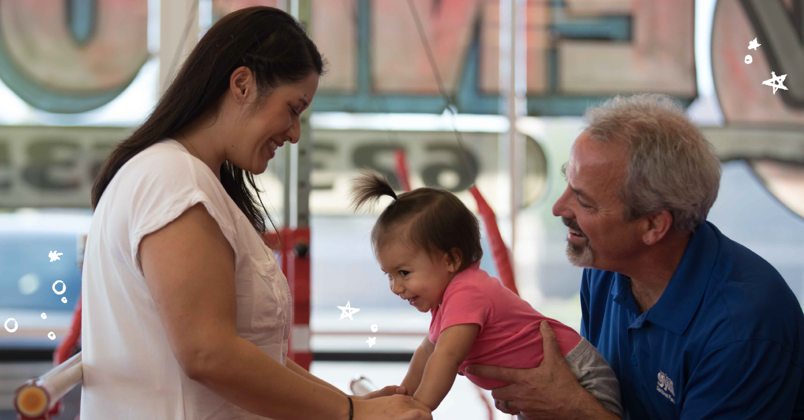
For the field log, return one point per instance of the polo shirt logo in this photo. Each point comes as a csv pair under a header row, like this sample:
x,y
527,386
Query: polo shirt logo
x,y
665,387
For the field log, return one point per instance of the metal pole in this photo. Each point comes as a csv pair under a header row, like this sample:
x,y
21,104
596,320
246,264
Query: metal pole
x,y
286,173
298,270
512,124
305,145
178,34
512,88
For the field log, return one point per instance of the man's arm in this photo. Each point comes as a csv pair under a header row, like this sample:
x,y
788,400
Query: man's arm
x,y
416,369
751,379
453,345
549,391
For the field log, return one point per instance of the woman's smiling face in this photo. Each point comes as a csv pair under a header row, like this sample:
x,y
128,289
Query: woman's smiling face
x,y
271,124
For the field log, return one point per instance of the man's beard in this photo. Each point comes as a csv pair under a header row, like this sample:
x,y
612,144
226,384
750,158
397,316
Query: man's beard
x,y
578,255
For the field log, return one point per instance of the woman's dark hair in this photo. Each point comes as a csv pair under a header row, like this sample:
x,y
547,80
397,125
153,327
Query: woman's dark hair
x,y
438,219
271,43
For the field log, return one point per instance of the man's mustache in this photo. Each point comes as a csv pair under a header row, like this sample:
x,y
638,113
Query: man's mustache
x,y
572,224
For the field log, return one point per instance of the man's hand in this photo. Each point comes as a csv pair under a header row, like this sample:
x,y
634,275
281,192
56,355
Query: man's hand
x,y
549,391
385,392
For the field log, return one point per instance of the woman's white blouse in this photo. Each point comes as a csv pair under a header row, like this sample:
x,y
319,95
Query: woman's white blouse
x,y
130,371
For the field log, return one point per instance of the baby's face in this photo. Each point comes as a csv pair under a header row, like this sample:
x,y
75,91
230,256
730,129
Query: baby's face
x,y
414,275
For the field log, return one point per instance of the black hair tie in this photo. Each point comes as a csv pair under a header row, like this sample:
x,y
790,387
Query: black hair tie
x,y
351,408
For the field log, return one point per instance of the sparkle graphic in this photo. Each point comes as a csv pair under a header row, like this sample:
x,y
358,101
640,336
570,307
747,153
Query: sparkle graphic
x,y
753,45
749,59
44,315
64,300
348,311
374,328
51,335
371,341
16,325
53,255
776,82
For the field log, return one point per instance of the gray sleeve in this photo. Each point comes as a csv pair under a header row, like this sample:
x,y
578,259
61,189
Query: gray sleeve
x,y
595,375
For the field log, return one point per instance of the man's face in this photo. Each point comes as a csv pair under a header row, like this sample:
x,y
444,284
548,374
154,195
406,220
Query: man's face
x,y
591,207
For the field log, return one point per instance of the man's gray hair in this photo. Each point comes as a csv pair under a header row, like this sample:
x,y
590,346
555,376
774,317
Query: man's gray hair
x,y
671,166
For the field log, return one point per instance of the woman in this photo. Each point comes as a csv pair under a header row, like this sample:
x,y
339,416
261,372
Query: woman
x,y
186,313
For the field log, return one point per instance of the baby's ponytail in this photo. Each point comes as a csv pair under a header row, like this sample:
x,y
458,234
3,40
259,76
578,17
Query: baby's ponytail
x,y
368,188
435,220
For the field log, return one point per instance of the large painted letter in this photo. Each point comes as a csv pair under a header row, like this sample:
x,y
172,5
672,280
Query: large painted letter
x,y
71,56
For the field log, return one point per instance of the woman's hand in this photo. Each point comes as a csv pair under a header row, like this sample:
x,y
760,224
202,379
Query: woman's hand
x,y
394,407
385,392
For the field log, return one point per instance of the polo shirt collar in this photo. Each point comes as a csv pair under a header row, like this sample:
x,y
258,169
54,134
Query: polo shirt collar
x,y
682,297
621,294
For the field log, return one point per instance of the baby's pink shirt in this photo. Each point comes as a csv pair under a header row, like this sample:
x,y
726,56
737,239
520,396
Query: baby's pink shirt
x,y
509,327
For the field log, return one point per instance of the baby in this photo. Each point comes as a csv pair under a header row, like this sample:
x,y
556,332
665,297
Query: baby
x,y
428,243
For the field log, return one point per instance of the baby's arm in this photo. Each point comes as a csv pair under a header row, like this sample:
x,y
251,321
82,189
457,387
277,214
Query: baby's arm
x,y
439,374
417,364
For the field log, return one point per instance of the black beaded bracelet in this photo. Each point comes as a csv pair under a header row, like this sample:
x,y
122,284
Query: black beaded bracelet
x,y
351,408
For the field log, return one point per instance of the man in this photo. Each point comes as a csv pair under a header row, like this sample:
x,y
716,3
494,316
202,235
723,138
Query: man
x,y
695,325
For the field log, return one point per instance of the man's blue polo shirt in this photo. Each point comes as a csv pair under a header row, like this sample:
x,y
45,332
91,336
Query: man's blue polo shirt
x,y
724,341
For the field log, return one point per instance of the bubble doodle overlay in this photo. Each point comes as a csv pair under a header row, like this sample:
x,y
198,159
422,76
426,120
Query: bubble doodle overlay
x,y
63,287
16,325
372,340
776,82
753,45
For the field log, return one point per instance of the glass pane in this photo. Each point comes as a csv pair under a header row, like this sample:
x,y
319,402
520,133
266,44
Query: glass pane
x,y
784,180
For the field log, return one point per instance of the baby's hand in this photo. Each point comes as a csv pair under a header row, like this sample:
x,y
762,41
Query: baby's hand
x,y
385,392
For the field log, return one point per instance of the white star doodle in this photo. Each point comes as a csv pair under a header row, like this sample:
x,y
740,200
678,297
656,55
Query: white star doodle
x,y
776,82
753,45
53,255
348,310
371,341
